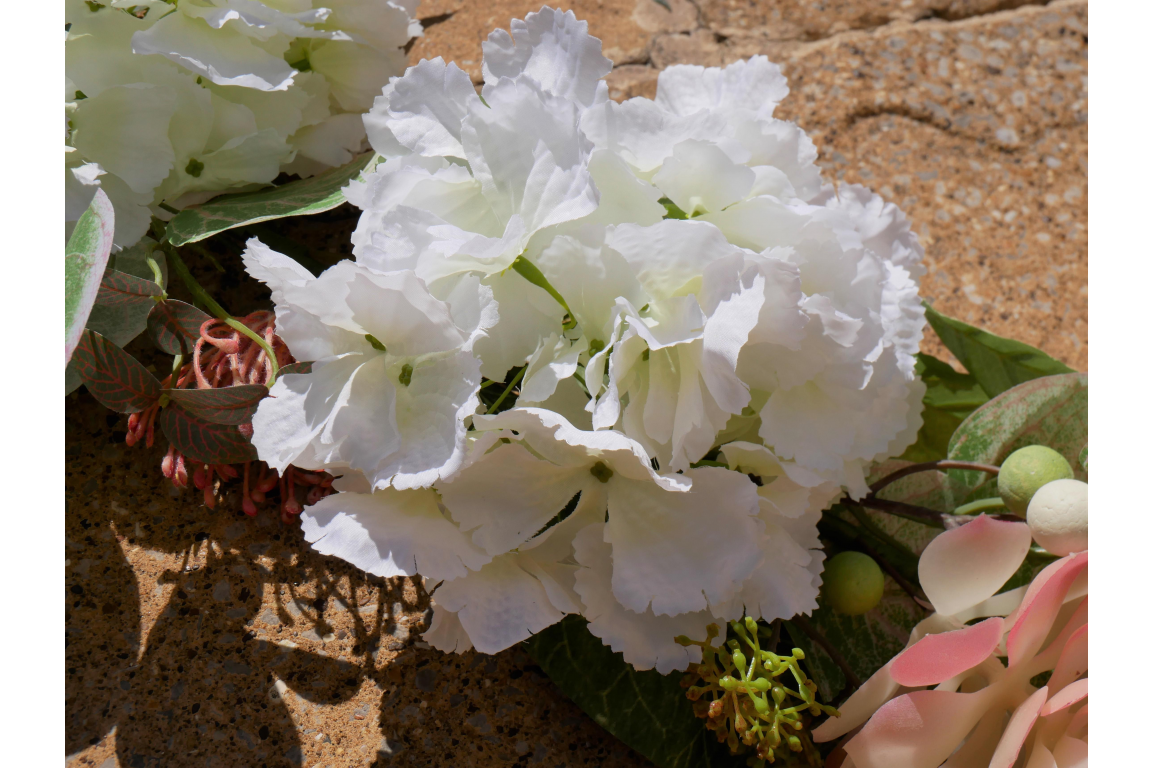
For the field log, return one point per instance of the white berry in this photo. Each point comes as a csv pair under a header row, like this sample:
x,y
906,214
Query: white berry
x,y
1058,516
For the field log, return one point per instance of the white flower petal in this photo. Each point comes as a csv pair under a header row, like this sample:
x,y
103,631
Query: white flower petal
x,y
699,177
646,640
555,360
527,315
754,83
499,605
125,130
224,56
355,73
677,552
422,110
390,533
552,48
478,497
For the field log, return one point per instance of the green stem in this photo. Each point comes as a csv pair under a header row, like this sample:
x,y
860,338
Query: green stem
x,y
508,389
980,505
158,277
532,274
204,252
210,304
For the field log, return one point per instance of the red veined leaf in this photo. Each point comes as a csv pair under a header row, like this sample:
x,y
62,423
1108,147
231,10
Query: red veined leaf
x,y
175,326
203,441
227,405
295,368
113,376
121,288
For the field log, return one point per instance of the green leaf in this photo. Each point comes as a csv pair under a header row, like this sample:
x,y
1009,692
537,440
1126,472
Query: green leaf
x,y
119,288
226,405
122,321
296,198
646,710
1051,411
113,376
296,368
934,435
85,257
175,326
949,397
997,364
203,441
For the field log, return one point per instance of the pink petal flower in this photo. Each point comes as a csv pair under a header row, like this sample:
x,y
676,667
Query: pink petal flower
x,y
1041,757
1018,729
1077,691
1041,604
1071,753
859,707
966,565
1073,660
978,748
1078,725
916,730
937,658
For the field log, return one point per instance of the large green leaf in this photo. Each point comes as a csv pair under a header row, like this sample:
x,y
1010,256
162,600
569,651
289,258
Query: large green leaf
x,y
997,364
646,710
1051,411
296,198
113,376
85,257
949,397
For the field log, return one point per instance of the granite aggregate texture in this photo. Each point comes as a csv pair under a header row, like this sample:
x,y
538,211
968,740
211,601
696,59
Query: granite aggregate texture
x,y
198,637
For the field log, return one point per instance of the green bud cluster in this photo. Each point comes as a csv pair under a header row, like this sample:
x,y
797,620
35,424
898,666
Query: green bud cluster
x,y
741,690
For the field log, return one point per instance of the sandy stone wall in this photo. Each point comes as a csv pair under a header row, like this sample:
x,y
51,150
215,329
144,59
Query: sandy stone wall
x,y
204,638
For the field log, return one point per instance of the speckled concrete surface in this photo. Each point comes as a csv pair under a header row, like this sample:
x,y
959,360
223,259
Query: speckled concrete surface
x,y
204,638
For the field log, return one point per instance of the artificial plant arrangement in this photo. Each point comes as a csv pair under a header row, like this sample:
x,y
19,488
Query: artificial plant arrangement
x,y
613,379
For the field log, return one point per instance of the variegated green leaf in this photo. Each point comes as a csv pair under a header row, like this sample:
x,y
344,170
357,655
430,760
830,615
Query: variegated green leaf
x,y
296,198
85,257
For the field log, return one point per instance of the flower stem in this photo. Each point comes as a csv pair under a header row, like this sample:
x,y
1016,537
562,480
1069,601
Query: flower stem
x,y
980,505
212,306
508,389
928,465
532,274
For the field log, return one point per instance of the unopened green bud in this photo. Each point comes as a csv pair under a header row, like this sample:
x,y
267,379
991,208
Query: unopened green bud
x,y
853,584
1026,471
750,623
794,744
406,374
683,640
727,683
778,694
761,684
739,660
760,704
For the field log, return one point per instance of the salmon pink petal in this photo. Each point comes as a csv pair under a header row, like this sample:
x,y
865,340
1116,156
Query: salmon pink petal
x,y
1071,753
981,743
937,658
1018,729
1041,757
859,706
1078,725
916,730
967,565
1041,604
1077,691
1073,660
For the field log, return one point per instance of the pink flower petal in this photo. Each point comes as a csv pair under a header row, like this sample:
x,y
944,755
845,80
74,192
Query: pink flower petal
x,y
1078,725
1018,729
966,565
916,730
937,658
1073,660
981,743
859,706
1041,604
1074,692
1071,753
1041,757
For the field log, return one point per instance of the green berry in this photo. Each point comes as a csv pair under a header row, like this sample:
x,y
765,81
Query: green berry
x,y
1026,471
853,583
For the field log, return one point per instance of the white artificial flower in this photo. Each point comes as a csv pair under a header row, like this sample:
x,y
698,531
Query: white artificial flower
x,y
394,376
179,102
712,347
